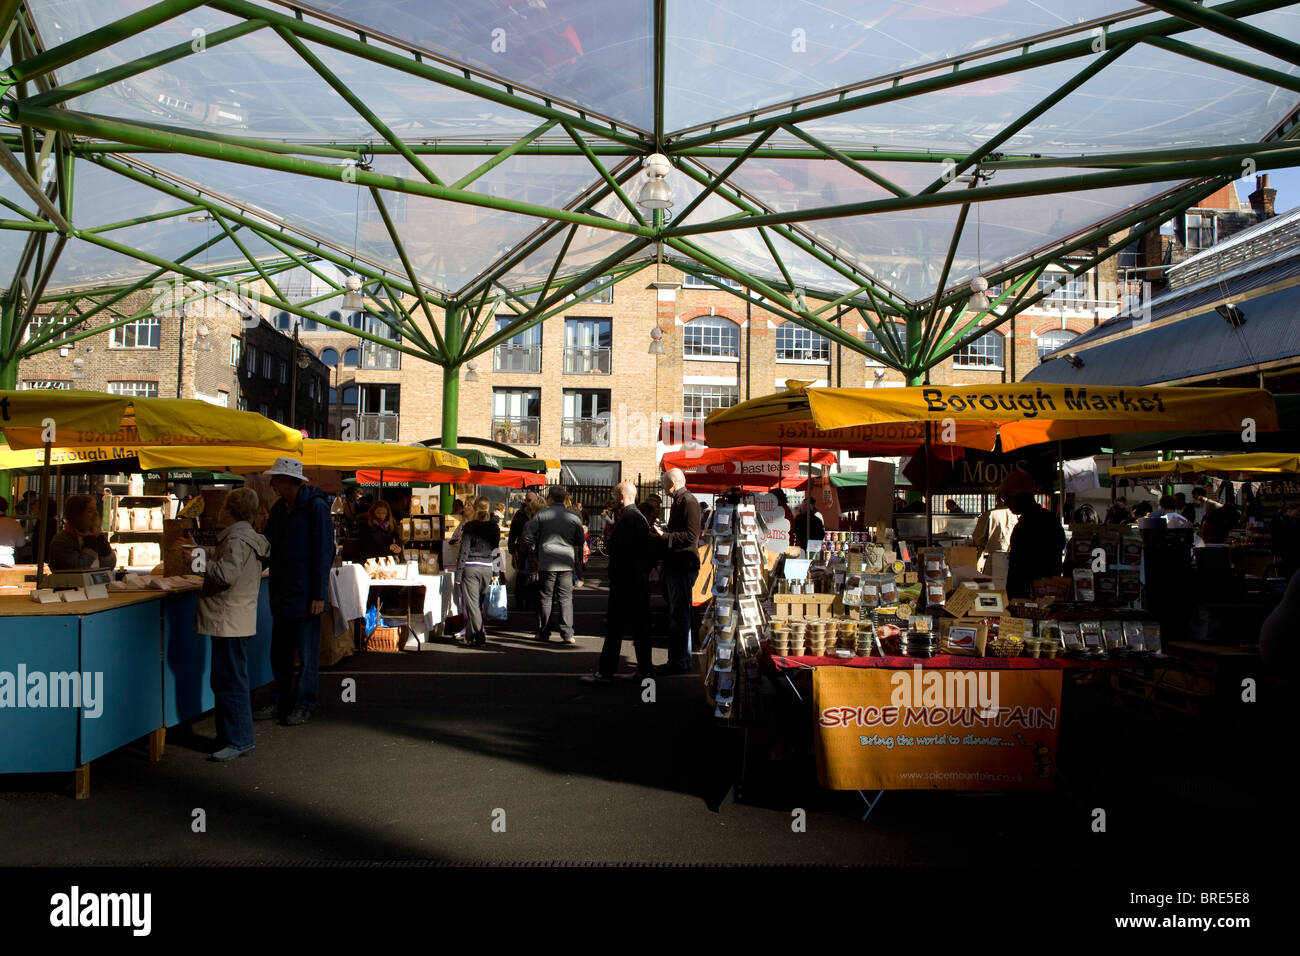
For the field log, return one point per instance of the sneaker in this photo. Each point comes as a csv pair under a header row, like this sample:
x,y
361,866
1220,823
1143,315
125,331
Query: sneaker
x,y
596,678
230,753
269,712
299,716
570,640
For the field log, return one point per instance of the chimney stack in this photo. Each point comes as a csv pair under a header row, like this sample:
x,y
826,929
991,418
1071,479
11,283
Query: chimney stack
x,y
1261,200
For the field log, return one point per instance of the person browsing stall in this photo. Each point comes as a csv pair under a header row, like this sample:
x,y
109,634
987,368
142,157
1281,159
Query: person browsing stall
x,y
81,545
630,561
301,535
681,566
227,612
1038,540
475,566
554,538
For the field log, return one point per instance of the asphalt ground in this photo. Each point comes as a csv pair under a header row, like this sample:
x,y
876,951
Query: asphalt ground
x,y
502,756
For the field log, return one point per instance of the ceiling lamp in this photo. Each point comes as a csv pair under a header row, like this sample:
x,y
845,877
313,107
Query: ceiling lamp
x,y
656,193
352,299
800,301
979,302
656,343
471,372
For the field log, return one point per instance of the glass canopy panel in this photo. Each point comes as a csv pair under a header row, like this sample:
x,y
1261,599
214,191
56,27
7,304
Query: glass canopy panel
x,y
597,54
727,57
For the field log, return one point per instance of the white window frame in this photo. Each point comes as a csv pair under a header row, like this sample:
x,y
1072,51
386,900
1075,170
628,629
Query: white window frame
x,y
872,341
976,366
236,351
800,335
1054,332
117,338
690,281
707,398
138,388
711,323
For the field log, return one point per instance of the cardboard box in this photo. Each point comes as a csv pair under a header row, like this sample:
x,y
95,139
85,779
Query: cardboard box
x,y
962,556
970,637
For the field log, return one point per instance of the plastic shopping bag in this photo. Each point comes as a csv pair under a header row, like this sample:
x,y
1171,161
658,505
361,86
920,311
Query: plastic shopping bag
x,y
497,606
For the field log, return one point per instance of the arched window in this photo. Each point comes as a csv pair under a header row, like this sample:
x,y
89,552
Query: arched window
x,y
797,344
350,358
329,357
349,395
711,337
984,352
1049,342
284,321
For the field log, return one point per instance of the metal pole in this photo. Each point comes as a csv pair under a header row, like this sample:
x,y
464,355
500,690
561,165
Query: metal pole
x,y
293,382
44,519
451,395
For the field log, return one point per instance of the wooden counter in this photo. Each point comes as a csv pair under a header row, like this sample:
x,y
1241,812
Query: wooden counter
x,y
21,605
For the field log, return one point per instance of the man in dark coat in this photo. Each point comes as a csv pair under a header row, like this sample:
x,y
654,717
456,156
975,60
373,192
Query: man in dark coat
x,y
554,538
513,540
630,561
301,534
1038,540
681,568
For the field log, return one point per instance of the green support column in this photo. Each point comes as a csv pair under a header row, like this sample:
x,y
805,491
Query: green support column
x,y
8,380
915,332
451,391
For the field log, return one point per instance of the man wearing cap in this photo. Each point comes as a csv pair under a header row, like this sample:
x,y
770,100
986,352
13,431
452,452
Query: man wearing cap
x,y
1038,540
301,534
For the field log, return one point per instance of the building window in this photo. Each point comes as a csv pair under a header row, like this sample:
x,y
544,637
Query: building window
x,y
587,346
379,412
236,350
264,410
522,353
984,352
252,359
1200,231
872,341
605,295
284,321
381,357
586,417
41,324
797,344
350,395
284,372
1049,342
241,404
267,367
516,415
134,389
329,357
711,337
700,400
694,282
46,383
143,333
1062,290
350,357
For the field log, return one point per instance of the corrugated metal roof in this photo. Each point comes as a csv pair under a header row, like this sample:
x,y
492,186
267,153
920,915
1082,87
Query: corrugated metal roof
x,y
1198,345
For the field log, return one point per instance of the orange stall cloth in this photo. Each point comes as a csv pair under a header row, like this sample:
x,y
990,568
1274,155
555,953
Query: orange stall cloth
x,y
506,478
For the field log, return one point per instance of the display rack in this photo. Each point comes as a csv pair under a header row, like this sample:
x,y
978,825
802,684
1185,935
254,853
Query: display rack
x,y
137,524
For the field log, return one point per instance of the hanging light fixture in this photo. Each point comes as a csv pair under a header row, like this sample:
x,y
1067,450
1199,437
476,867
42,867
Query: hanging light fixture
x,y
471,372
800,301
656,193
352,298
979,301
656,343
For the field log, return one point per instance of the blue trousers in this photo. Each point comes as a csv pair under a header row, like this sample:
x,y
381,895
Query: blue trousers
x,y
300,634
229,683
679,617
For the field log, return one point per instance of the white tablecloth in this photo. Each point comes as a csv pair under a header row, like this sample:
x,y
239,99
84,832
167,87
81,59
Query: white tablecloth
x,y
436,591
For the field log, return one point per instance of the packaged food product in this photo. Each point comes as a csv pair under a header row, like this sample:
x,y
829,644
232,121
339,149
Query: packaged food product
x,y
1090,631
1106,588
1083,586
1071,636
1133,636
1112,633
1151,637
1130,586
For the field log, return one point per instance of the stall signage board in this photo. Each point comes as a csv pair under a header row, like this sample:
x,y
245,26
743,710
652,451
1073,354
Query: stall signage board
x,y
926,729
786,469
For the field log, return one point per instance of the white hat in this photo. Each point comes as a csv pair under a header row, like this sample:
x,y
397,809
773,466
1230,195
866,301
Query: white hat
x,y
288,467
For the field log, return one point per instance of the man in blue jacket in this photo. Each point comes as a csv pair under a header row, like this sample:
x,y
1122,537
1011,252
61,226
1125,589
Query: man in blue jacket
x,y
301,534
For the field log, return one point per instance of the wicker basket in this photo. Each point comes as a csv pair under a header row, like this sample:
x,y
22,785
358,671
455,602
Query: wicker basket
x,y
1004,648
387,640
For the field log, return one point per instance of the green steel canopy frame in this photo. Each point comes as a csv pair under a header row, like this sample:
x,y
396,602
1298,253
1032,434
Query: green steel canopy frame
x,y
821,183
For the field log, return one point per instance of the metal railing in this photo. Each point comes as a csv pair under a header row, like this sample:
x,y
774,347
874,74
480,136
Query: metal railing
x,y
517,358
381,427
517,431
586,361
584,431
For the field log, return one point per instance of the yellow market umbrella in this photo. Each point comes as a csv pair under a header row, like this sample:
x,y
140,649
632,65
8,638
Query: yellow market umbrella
x,y
786,419
1263,464
1029,413
91,419
316,454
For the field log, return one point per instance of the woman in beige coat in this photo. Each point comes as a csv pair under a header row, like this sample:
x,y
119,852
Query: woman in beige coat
x,y
228,612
